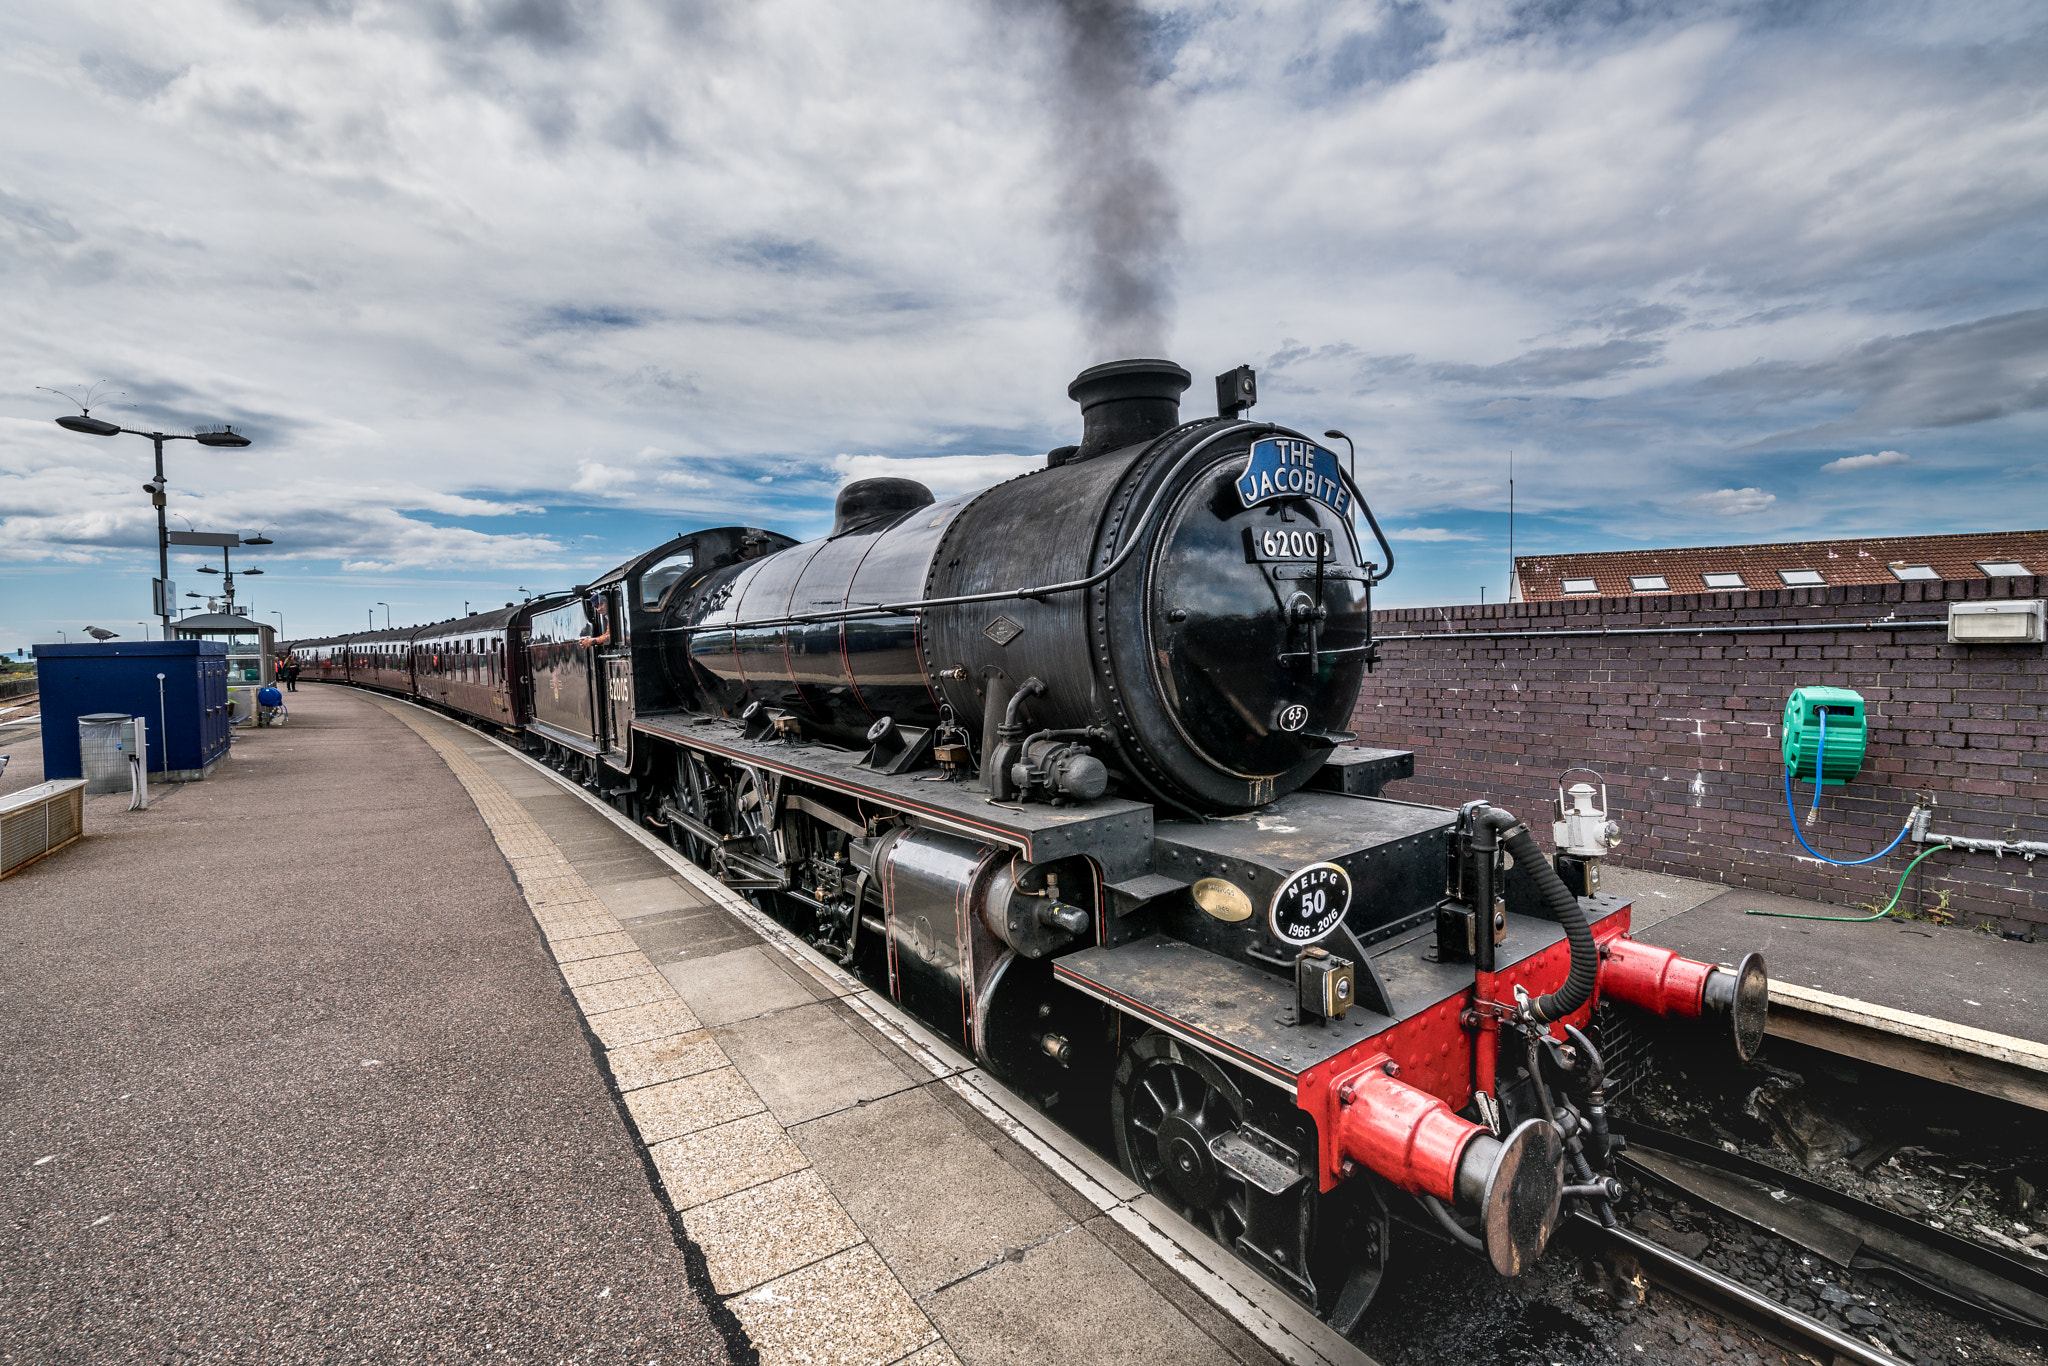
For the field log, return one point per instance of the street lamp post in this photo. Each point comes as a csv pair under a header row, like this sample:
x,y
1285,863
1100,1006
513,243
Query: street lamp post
x,y
387,615
280,621
217,435
227,573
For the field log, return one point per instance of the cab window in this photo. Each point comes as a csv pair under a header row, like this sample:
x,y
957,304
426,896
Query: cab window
x,y
656,581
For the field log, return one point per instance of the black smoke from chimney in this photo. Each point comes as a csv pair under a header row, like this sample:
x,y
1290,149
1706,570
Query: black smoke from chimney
x,y
1116,204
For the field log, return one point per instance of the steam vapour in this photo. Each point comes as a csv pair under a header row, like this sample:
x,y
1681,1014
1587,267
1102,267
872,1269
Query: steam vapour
x,y
1116,203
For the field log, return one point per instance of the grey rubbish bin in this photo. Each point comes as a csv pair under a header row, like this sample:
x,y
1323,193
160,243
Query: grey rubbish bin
x,y
101,754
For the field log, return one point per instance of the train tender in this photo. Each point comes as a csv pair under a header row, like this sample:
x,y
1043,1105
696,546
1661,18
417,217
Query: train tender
x,y
1062,766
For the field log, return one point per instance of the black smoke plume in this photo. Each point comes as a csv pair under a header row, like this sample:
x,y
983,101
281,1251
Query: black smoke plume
x,y
1116,205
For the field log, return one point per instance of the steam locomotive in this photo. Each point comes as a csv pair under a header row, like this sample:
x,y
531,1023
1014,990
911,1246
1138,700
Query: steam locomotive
x,y
1062,766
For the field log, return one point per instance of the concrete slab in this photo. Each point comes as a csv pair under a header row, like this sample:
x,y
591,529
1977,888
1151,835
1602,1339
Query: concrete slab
x,y
932,1195
769,1230
715,1162
938,1354
734,986
1657,896
690,1104
601,997
999,1317
871,1320
1947,972
690,934
614,864
640,1023
659,1060
584,972
649,896
806,1062
592,946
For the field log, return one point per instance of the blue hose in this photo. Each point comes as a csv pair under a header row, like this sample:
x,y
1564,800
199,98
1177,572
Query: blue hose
x,y
1792,813
1820,759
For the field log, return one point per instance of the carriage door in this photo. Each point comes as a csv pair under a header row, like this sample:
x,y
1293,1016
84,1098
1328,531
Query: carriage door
x,y
616,663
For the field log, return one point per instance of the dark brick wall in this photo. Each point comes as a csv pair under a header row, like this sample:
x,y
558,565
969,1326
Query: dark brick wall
x,y
1685,728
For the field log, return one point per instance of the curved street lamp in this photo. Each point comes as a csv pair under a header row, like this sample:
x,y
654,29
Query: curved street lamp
x,y
218,434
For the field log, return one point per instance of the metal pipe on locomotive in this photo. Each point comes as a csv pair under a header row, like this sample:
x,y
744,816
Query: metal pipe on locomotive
x,y
1062,766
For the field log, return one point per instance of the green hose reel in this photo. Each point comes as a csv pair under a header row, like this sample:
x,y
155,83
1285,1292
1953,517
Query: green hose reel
x,y
1847,734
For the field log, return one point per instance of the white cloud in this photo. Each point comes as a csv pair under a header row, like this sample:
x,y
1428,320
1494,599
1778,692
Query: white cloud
x,y
1733,502
1866,462
1428,533
594,476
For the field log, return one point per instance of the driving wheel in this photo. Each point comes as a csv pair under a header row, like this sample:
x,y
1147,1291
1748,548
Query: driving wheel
x,y
1168,1104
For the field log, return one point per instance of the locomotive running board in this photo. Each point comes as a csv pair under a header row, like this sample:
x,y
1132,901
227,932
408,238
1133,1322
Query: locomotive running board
x,y
1228,1009
1116,834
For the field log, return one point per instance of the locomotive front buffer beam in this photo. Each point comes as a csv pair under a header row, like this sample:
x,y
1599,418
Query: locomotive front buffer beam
x,y
1513,1183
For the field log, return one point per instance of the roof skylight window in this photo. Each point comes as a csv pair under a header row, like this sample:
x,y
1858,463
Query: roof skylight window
x,y
1581,586
1913,571
2003,569
1801,578
1648,583
1723,581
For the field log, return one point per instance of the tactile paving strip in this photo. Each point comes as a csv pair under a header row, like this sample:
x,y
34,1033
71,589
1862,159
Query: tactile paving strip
x,y
781,1250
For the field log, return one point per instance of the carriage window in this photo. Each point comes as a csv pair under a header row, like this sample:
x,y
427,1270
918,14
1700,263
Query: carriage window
x,y
656,581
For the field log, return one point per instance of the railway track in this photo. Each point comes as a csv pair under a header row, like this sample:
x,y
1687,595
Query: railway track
x,y
1709,1289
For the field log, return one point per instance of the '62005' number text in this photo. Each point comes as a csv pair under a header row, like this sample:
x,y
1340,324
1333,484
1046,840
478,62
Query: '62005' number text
x,y
1296,544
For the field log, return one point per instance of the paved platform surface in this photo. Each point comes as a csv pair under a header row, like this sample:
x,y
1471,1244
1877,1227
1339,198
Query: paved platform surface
x,y
289,1076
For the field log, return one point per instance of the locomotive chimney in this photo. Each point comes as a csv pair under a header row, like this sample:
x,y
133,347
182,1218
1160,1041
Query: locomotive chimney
x,y
1123,402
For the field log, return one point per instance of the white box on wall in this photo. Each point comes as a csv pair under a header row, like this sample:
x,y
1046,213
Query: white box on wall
x,y
2011,621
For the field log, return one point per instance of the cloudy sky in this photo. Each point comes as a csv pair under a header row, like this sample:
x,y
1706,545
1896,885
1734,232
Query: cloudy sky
x,y
505,290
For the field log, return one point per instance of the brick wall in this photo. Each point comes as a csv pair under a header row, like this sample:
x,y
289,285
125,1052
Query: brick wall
x,y
1685,728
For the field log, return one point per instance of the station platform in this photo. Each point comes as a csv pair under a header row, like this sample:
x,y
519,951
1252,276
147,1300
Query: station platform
x,y
386,1035
1949,1002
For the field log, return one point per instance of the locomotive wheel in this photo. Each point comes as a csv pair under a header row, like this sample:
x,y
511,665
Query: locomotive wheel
x,y
693,795
1169,1101
749,813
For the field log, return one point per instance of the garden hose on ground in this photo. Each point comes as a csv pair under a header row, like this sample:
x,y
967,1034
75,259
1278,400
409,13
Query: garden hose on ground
x,y
1897,892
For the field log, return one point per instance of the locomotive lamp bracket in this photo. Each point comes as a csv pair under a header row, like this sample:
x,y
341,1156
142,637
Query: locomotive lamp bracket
x,y
896,749
1325,985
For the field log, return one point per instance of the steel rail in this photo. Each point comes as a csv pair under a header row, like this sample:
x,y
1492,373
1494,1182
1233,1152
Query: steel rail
x,y
1787,628
1688,1279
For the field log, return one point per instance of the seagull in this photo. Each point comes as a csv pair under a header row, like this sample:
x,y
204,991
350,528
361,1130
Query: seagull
x,y
101,633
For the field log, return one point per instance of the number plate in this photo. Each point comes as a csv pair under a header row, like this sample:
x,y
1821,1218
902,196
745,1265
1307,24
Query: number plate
x,y
1289,544
1310,905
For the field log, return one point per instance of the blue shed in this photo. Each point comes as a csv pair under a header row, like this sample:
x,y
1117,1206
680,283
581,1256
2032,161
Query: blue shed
x,y
187,708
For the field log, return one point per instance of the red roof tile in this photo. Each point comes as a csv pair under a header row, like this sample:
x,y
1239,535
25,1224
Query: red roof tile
x,y
1542,577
